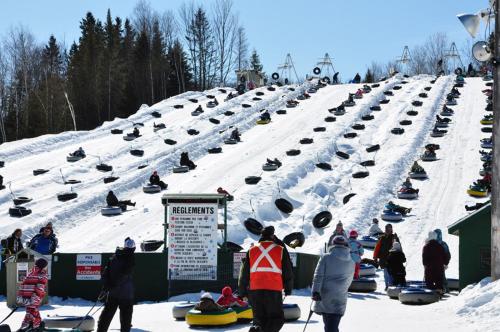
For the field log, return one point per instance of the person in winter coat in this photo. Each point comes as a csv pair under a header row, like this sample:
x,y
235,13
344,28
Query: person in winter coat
x,y
265,116
439,238
44,243
155,180
207,304
416,168
199,109
31,293
434,259
381,252
235,134
136,132
331,280
79,153
1,182
265,273
395,265
339,230
14,243
356,252
118,288
112,200
185,161
227,299
375,229
407,183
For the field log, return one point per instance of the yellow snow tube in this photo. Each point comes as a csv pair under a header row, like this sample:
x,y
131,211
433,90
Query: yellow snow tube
x,y
263,122
477,193
486,122
244,313
216,318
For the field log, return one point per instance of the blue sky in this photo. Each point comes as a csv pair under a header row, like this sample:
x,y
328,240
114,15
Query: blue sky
x,y
353,32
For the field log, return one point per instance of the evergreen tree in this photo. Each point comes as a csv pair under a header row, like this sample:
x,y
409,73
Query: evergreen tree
x,y
255,63
368,77
179,76
158,64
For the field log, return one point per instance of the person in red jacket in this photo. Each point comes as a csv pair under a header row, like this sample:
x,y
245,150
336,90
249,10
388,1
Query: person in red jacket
x,y
30,294
434,260
227,299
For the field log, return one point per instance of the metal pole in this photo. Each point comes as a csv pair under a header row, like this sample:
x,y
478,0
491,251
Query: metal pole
x,y
495,206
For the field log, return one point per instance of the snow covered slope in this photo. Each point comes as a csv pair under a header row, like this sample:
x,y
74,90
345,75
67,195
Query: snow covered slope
x,y
80,226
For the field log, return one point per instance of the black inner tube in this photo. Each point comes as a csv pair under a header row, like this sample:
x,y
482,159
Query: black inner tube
x,y
294,240
342,154
253,226
283,205
322,219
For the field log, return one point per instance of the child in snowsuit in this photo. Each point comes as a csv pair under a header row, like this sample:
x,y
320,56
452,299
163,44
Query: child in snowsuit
x,y
395,265
207,304
227,299
356,252
30,294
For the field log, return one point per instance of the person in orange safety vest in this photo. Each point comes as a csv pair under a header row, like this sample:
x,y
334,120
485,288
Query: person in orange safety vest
x,y
265,273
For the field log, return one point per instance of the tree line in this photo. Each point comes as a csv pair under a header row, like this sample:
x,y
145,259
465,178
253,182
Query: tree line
x,y
115,66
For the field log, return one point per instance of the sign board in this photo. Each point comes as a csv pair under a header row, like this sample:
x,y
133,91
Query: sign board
x,y
88,267
192,239
22,271
237,261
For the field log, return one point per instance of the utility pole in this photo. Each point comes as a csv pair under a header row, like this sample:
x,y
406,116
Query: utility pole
x,y
495,201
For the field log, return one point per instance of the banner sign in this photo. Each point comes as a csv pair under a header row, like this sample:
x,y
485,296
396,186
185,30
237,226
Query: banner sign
x,y
88,267
192,240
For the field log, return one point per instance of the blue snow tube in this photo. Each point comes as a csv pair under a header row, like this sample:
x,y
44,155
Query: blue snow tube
x,y
390,215
368,241
414,295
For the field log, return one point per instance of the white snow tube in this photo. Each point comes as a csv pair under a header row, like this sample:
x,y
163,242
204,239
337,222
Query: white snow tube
x,y
111,210
428,157
70,322
230,141
441,124
414,295
363,285
437,134
368,241
129,137
269,167
72,158
405,195
291,311
180,310
391,216
366,270
181,169
151,189
414,175
339,113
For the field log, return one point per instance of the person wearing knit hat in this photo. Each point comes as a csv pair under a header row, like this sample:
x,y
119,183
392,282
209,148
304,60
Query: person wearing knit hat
x,y
339,230
375,229
207,304
332,278
434,259
154,179
395,264
118,287
356,251
31,293
265,273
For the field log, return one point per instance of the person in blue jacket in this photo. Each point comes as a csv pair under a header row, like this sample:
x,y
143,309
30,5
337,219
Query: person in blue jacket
x,y
45,242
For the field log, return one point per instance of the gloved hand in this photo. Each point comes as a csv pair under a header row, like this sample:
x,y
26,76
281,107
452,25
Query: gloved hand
x,y
315,296
288,292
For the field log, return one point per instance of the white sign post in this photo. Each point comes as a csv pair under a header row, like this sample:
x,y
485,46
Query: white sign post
x,y
192,240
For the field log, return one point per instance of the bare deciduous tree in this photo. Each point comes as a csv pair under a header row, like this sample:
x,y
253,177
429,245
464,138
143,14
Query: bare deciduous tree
x,y
225,24
241,49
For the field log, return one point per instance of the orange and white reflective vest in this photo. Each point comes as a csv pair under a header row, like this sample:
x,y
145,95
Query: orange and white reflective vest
x,y
265,266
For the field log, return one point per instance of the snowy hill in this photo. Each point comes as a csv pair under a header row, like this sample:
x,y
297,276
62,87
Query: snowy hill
x,y
80,226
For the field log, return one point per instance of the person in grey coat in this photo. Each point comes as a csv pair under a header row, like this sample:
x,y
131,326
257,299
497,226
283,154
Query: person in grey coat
x,y
332,279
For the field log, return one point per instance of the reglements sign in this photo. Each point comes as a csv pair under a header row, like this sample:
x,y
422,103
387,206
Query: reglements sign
x,y
192,240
